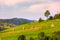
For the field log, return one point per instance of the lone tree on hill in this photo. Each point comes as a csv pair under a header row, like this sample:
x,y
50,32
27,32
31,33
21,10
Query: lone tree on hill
x,y
47,13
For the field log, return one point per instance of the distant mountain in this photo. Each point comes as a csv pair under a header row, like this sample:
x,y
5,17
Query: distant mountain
x,y
16,21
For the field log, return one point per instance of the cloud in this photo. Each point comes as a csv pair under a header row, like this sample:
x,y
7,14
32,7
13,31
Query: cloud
x,y
36,7
12,2
32,9
12,5
53,7
56,0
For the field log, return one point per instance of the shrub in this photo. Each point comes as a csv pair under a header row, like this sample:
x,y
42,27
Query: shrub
x,y
56,35
57,16
21,37
54,38
47,38
31,38
41,36
40,20
50,18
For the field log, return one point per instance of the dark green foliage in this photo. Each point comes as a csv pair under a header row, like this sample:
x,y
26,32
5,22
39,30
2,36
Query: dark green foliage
x,y
2,28
31,38
47,13
23,22
21,37
41,36
40,20
11,25
57,16
50,18
56,35
1,24
54,38
47,38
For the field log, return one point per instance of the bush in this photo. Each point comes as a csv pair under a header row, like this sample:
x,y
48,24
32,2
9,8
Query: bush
x,y
41,36
57,16
56,35
50,18
40,20
54,38
21,37
31,38
47,38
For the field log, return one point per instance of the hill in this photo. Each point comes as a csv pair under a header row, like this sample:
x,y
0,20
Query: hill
x,y
16,21
10,23
31,30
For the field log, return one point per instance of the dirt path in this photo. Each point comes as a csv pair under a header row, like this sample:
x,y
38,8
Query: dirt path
x,y
25,30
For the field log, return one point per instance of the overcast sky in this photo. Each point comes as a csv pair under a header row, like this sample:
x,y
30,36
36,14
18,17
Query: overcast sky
x,y
29,9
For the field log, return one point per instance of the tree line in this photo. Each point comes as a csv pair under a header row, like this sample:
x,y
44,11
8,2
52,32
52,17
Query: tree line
x,y
47,14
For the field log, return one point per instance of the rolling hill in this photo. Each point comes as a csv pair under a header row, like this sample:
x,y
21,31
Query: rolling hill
x,y
16,21
31,30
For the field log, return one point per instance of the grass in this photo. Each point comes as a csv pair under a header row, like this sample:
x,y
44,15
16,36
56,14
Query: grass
x,y
44,26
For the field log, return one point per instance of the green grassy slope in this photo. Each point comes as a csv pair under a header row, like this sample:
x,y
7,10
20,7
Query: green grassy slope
x,y
29,31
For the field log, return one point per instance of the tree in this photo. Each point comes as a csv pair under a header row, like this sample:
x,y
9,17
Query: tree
x,y
57,16
47,13
50,18
40,20
21,37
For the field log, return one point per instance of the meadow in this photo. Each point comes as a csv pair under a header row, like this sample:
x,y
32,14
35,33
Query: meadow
x,y
31,30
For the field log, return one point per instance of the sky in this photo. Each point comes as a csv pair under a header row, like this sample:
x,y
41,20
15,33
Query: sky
x,y
28,9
